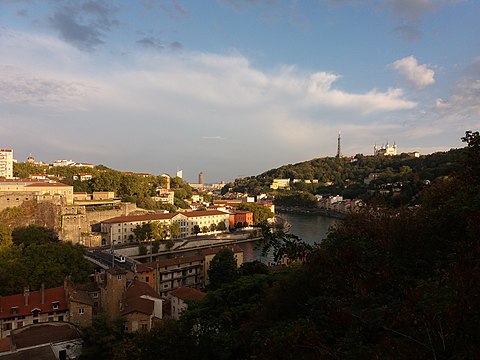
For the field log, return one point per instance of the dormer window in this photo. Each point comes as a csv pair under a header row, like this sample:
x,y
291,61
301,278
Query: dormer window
x,y
35,312
55,305
14,310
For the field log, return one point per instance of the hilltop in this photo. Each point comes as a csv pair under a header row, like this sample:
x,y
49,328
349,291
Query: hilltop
x,y
358,176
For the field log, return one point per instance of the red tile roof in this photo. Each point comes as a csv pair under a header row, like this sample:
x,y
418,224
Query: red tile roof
x,y
133,301
204,213
168,262
47,184
215,250
186,293
145,217
38,334
34,302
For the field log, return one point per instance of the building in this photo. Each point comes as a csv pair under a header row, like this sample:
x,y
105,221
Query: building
x,y
6,163
112,286
385,150
179,299
15,191
50,341
165,196
141,307
279,184
63,163
83,176
166,275
121,229
241,218
33,307
201,178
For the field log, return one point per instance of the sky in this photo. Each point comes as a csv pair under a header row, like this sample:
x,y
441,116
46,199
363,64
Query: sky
x,y
234,88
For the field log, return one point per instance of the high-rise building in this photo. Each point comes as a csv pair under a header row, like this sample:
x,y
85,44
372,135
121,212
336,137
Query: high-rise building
x,y
180,174
6,163
201,178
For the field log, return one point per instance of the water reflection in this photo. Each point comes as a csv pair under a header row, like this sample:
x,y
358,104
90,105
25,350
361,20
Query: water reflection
x,y
310,228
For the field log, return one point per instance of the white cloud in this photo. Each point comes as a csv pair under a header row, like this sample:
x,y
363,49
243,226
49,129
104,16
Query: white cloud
x,y
418,75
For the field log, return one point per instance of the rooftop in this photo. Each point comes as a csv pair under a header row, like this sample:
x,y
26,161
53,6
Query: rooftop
x,y
186,293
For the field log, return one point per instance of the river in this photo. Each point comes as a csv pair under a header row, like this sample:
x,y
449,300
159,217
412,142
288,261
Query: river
x,y
311,228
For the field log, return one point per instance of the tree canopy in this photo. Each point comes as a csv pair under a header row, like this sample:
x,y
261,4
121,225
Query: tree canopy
x,y
223,268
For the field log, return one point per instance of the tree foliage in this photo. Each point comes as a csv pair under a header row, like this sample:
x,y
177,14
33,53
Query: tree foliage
x,y
48,263
223,268
33,234
260,213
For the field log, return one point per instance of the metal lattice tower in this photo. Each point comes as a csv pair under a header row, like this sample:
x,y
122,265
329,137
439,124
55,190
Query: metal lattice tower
x,y
339,149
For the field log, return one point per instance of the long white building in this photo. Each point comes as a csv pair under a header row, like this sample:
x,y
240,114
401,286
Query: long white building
x,y
6,163
121,229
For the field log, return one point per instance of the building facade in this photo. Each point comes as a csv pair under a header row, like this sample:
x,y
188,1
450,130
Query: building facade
x,y
6,163
120,229
33,307
167,275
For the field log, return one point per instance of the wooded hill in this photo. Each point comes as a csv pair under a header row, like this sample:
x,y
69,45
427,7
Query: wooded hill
x,y
345,176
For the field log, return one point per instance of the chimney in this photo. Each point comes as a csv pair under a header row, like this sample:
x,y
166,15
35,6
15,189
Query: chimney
x,y
26,294
42,292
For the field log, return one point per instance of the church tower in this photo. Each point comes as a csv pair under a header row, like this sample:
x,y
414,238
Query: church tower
x,y
339,149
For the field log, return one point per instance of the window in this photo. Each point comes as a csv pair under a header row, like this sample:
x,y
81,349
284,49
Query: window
x,y
81,311
14,310
60,318
119,277
7,326
147,279
19,324
55,305
50,319
95,295
35,312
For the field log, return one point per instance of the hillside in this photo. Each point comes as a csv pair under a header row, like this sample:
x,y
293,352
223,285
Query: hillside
x,y
347,176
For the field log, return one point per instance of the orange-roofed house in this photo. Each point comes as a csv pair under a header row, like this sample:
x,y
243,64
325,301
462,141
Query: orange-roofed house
x,y
141,307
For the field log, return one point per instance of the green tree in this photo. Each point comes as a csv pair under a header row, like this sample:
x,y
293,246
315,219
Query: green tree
x,y
159,231
252,268
223,269
221,226
175,230
5,236
143,232
102,338
196,229
142,249
260,213
33,234
213,227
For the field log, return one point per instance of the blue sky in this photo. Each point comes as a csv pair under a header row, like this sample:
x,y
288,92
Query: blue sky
x,y
234,88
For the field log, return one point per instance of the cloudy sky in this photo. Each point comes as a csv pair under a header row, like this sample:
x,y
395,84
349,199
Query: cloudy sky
x,y
234,88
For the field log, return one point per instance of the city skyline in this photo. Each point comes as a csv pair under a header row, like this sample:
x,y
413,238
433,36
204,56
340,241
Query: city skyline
x,y
234,88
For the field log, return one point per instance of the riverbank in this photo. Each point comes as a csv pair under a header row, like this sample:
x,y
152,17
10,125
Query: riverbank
x,y
313,211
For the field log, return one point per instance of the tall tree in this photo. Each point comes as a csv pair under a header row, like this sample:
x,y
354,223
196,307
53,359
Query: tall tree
x,y
223,269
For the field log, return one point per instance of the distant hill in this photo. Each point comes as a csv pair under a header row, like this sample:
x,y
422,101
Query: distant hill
x,y
347,175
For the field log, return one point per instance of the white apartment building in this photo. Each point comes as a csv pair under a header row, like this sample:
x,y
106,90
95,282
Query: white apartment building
x,y
6,163
121,229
